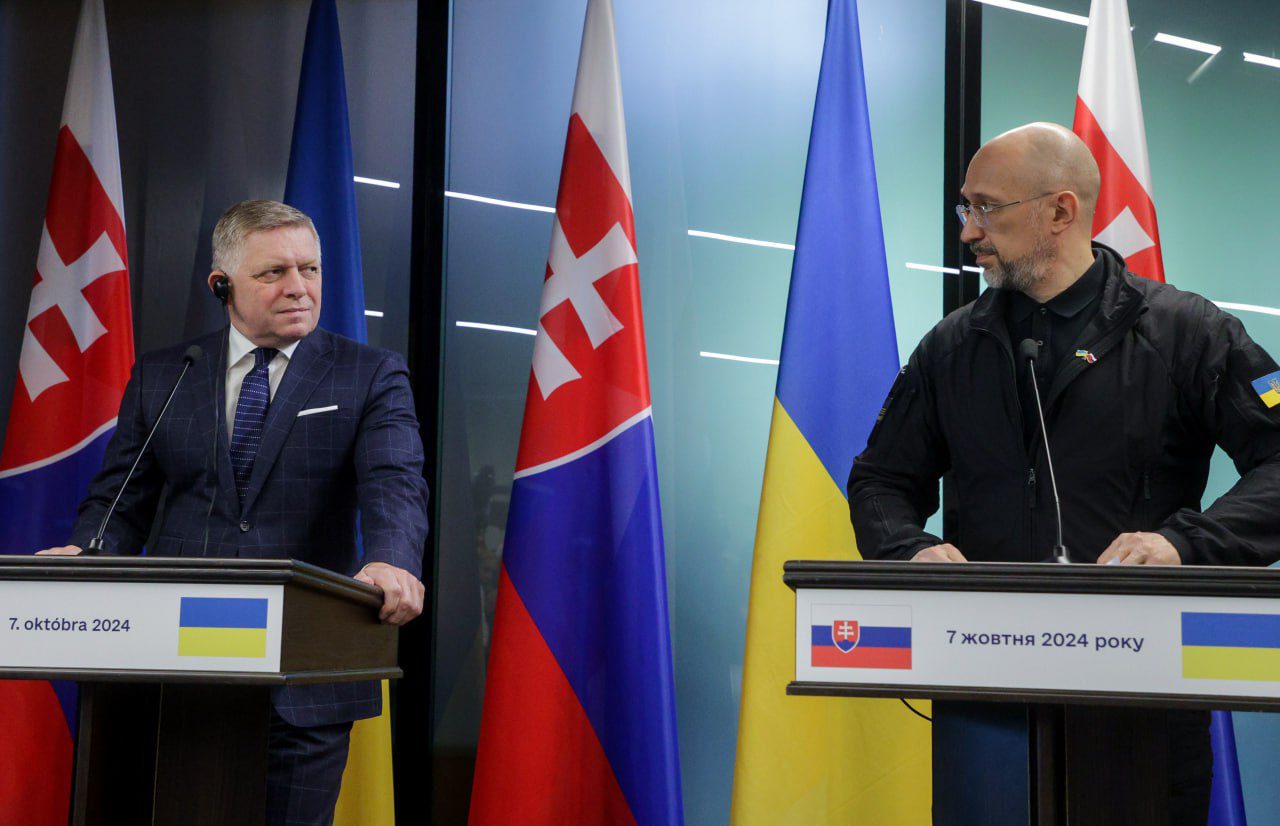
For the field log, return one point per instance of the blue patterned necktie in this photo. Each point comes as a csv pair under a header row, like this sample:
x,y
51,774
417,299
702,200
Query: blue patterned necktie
x,y
251,413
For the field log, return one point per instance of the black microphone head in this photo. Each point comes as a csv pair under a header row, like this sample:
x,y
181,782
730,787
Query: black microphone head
x,y
1028,349
192,354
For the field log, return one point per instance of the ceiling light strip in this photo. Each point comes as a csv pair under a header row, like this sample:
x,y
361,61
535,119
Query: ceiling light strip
x,y
496,328
746,359
734,239
1261,60
1248,308
1038,11
375,182
911,265
480,199
1186,43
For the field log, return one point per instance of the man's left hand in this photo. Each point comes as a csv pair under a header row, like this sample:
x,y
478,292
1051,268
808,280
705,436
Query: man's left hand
x,y
1140,549
402,592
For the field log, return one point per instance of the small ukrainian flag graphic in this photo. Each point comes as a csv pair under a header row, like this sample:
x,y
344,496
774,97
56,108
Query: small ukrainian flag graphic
x,y
1268,389
1231,646
222,627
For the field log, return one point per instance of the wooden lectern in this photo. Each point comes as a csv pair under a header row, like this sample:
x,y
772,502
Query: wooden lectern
x,y
1049,635
177,658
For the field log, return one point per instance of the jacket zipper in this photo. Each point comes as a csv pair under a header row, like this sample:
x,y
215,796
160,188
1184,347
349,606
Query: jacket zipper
x,y
1145,513
1029,525
1013,375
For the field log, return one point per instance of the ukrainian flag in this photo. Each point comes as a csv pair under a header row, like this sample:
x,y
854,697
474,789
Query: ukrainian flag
x,y
222,627
1268,389
1231,646
815,760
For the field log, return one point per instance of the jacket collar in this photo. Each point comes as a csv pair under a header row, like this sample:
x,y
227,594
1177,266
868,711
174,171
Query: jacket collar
x,y
1118,295
1066,304
210,383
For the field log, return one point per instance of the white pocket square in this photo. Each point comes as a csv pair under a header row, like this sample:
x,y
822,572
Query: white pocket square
x,y
310,410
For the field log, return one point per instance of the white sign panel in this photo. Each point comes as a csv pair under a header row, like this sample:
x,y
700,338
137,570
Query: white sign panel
x,y
163,626
1167,645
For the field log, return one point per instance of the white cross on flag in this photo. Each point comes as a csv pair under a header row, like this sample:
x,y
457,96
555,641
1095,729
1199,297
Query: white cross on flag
x,y
573,279
1109,120
589,374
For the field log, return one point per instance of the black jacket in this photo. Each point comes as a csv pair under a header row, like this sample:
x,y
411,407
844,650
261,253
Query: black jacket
x,y
1132,434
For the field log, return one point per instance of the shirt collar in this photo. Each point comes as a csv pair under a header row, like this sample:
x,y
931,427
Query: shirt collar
x,y
1067,303
239,346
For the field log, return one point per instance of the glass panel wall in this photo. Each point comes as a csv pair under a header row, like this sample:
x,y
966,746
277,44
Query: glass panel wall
x,y
718,97
1211,126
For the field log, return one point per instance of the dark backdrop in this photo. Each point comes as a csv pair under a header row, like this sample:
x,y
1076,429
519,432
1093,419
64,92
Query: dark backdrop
x,y
205,93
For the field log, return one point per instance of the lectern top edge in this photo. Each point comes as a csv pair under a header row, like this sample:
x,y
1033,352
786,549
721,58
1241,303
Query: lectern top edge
x,y
187,569
1191,580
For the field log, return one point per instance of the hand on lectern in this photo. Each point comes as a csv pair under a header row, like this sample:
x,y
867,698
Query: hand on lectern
x,y
1140,548
402,592
945,552
65,550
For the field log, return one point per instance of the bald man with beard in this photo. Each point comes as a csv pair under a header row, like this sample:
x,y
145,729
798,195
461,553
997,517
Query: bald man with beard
x,y
1139,382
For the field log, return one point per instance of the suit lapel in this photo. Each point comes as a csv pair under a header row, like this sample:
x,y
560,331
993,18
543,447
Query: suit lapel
x,y
311,362
211,383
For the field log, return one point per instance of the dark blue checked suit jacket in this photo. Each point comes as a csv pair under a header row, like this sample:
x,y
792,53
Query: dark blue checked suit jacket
x,y
312,474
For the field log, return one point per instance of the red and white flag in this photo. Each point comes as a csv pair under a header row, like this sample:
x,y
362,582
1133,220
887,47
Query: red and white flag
x,y
1109,119
77,346
77,349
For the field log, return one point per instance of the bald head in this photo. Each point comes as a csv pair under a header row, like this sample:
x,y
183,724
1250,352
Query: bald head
x,y
1048,157
1038,187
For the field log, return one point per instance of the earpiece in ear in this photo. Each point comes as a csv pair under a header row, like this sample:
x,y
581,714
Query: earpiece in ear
x,y
222,289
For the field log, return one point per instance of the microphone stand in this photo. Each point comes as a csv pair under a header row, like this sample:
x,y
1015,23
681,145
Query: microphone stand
x,y
95,545
1029,351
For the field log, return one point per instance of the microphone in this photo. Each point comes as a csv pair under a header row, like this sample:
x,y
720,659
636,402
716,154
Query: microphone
x,y
1028,349
191,356
219,376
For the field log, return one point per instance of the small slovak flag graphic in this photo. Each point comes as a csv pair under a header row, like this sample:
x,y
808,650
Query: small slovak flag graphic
x,y
860,636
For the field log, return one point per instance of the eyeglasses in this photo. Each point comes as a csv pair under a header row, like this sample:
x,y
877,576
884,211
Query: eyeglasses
x,y
979,212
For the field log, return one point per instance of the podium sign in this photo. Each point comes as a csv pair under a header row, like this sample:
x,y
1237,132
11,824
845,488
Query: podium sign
x,y
1200,637
177,659
142,627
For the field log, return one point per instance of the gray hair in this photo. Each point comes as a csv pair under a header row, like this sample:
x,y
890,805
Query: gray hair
x,y
246,217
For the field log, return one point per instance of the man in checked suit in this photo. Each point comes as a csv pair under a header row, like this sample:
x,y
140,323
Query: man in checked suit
x,y
277,437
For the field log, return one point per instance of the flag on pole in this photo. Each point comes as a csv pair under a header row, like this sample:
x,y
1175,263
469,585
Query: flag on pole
x,y
579,722
321,180
77,349
1226,800
1109,120
815,759
320,183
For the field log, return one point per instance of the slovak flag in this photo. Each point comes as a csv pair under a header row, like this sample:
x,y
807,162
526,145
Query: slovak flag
x,y
1109,120
579,709
77,349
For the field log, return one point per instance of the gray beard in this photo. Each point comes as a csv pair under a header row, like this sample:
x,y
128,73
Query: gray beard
x,y
1023,273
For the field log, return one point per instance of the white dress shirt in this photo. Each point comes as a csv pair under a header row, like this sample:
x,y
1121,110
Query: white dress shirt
x,y
240,362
